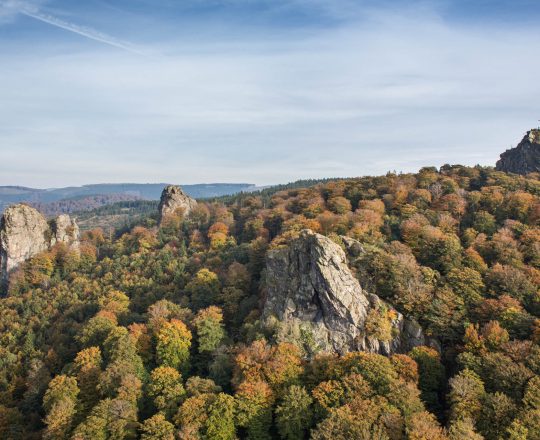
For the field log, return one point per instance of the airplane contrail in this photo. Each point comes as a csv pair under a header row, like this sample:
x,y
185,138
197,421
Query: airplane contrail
x,y
81,30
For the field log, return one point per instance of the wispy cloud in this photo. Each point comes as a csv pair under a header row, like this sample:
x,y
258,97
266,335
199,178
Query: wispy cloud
x,y
13,7
396,91
82,30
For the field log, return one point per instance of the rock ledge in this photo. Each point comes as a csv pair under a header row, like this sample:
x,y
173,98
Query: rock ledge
x,y
523,159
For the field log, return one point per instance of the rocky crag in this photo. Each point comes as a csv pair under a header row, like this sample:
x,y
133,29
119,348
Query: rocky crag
x,y
310,286
65,230
24,232
174,199
523,159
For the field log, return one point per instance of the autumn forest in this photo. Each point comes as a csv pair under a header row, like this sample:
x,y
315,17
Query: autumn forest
x,y
157,332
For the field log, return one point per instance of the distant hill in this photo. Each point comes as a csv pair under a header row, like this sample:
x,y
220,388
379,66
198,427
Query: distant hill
x,y
123,215
81,203
115,192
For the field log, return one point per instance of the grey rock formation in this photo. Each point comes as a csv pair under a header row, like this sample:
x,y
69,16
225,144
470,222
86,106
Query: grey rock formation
x,y
24,232
65,230
310,285
172,199
523,159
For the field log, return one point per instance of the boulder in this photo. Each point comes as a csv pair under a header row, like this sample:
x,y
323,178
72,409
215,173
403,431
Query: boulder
x,y
310,286
523,159
173,199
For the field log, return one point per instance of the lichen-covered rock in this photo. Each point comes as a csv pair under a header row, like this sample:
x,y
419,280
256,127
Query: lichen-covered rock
x,y
523,159
310,286
173,199
24,232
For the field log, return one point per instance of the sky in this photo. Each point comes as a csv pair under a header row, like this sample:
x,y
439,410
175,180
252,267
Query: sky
x,y
260,91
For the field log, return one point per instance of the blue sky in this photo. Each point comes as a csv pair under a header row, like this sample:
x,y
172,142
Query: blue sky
x,y
264,91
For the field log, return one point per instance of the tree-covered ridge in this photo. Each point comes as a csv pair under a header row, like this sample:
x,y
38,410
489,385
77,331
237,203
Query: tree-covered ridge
x,y
82,203
156,334
119,217
123,216
67,197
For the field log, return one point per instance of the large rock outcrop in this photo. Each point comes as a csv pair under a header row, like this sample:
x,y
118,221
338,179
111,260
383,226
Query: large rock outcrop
x,y
173,199
310,286
523,159
24,232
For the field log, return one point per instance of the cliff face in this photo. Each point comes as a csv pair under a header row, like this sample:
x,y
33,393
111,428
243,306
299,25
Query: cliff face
x,y
310,285
523,159
172,199
24,232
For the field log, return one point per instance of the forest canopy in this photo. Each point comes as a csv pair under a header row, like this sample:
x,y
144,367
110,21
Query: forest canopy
x,y
156,333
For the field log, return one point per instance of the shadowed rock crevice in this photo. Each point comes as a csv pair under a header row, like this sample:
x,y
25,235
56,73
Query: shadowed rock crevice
x,y
310,285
